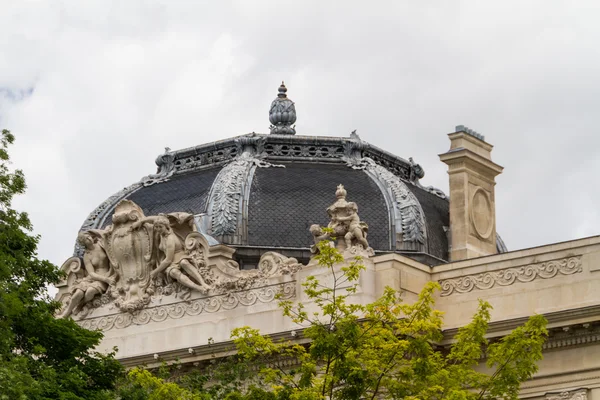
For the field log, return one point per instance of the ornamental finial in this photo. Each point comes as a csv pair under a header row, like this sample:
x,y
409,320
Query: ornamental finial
x,y
282,113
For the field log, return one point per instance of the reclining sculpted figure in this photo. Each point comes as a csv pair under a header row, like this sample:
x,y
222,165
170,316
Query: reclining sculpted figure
x,y
173,260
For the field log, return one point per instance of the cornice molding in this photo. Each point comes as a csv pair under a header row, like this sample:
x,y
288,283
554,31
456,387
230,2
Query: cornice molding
x,y
568,328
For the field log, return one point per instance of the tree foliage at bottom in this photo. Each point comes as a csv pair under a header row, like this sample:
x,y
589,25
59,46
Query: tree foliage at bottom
x,y
384,350
41,357
388,349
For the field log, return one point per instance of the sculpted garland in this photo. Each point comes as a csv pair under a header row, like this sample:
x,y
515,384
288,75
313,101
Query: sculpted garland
x,y
138,259
229,184
411,213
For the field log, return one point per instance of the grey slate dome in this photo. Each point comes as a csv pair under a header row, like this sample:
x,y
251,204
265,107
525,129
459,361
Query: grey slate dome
x,y
261,192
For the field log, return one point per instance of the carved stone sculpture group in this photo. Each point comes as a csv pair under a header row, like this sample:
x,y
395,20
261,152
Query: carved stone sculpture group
x,y
345,226
138,259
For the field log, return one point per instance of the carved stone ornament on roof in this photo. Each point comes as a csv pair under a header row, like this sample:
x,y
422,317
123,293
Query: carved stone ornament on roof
x,y
228,189
282,113
579,394
95,218
139,261
166,169
205,158
347,230
416,173
405,202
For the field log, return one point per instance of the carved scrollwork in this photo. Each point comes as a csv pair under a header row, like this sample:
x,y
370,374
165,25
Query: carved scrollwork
x,y
506,277
579,394
195,246
72,268
272,263
95,218
212,304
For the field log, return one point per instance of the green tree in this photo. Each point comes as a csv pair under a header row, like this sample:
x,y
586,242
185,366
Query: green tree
x,y
140,384
41,357
219,378
386,349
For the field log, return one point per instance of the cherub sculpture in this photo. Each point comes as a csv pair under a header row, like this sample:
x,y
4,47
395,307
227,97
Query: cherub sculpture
x,y
345,225
318,235
96,276
357,230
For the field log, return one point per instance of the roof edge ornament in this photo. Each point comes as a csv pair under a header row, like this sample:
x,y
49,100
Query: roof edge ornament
x,y
282,113
416,173
166,168
354,148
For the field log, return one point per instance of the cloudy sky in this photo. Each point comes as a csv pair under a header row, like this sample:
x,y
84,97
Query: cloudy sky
x,y
94,91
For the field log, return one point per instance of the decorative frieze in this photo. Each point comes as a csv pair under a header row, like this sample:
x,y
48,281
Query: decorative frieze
x,y
310,150
212,304
506,277
205,158
579,394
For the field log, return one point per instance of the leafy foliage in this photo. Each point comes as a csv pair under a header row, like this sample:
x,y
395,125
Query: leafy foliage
x,y
387,349
142,385
41,357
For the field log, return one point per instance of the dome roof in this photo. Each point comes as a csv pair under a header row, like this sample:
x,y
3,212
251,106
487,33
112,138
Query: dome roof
x,y
261,192
257,192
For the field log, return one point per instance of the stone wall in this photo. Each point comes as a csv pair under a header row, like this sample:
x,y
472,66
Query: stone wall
x,y
560,281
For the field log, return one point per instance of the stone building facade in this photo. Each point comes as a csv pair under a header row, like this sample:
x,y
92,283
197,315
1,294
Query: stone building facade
x,y
180,258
